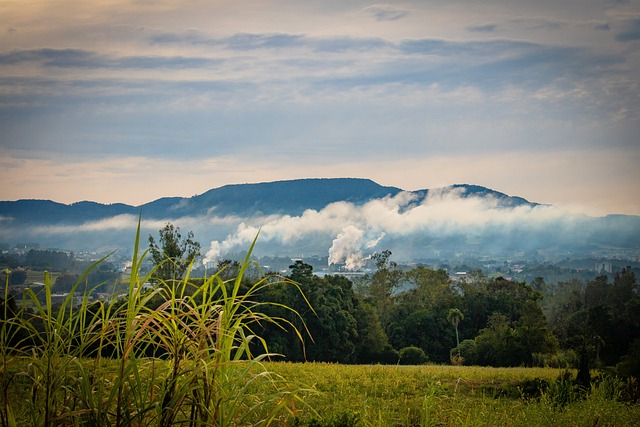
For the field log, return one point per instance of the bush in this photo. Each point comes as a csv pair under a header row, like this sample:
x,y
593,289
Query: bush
x,y
413,356
562,391
465,353
389,356
629,365
533,388
563,359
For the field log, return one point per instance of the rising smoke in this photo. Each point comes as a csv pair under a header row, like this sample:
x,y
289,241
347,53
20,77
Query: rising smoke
x,y
444,224
413,228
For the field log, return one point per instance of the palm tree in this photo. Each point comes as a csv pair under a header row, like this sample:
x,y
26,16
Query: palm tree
x,y
455,316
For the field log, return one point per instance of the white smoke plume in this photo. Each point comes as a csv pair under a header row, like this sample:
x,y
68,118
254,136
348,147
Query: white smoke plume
x,y
446,223
411,228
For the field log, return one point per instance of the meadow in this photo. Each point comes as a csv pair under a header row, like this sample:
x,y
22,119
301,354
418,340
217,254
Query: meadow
x,y
335,395
438,395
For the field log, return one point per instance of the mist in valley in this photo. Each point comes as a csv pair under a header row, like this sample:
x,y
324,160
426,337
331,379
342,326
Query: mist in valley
x,y
443,225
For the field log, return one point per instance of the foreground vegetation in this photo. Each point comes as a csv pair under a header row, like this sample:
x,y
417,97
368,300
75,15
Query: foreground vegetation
x,y
174,354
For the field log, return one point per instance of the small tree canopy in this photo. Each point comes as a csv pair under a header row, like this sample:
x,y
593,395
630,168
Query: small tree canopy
x,y
172,254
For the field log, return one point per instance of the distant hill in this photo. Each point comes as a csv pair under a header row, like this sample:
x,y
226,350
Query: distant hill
x,y
294,218
281,197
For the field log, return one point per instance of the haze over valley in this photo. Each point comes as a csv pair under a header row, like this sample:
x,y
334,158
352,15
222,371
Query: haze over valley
x,y
344,220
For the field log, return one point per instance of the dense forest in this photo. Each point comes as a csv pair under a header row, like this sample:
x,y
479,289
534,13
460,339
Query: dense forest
x,y
395,316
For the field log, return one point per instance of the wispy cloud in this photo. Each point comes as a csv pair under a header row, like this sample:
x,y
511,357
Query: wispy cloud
x,y
77,58
483,28
386,12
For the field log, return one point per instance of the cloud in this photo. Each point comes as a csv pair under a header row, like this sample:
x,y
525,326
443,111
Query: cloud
x,y
483,28
281,42
534,24
629,30
448,223
6,220
119,222
599,25
539,23
300,70
77,58
52,57
386,12
247,41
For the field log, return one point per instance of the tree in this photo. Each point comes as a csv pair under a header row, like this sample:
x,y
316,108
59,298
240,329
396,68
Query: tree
x,y
49,260
65,282
173,254
371,340
227,269
455,316
382,285
538,284
418,314
432,288
598,320
301,272
423,328
532,334
327,309
494,345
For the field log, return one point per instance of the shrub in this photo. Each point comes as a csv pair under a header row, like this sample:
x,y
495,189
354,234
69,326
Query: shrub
x,y
465,353
562,359
413,356
562,391
629,366
389,356
533,388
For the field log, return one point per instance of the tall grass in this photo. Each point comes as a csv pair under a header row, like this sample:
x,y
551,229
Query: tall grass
x,y
179,354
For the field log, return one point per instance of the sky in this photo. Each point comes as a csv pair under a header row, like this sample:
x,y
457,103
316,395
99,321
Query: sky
x,y
129,101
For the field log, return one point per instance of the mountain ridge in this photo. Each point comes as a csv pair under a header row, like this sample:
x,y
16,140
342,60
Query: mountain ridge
x,y
301,217
274,197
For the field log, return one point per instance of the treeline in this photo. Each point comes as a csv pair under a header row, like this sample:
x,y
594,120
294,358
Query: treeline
x,y
70,269
424,315
40,259
373,320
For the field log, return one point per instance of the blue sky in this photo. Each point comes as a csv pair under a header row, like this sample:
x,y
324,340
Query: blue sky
x,y
129,101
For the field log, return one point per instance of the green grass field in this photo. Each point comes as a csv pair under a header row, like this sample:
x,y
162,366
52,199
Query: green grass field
x,y
430,395
434,395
